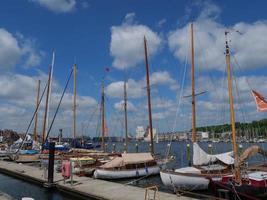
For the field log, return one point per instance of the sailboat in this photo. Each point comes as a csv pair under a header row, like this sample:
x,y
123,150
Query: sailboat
x,y
245,182
132,165
205,167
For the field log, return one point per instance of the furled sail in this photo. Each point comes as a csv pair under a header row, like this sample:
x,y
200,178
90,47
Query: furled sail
x,y
260,101
200,157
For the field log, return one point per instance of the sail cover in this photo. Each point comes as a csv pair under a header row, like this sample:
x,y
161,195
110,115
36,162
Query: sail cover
x,y
200,157
260,101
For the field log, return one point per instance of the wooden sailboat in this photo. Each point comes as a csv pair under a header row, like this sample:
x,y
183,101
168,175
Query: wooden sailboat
x,y
205,167
250,184
132,165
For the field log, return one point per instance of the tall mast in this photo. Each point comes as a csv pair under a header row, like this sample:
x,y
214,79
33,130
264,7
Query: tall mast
x,y
125,116
74,101
193,86
50,90
232,112
36,114
46,107
148,98
103,116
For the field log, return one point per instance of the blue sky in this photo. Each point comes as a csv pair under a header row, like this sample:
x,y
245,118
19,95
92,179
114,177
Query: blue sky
x,y
100,34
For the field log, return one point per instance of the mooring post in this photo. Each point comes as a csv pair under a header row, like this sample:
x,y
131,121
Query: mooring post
x,y
136,148
51,162
50,179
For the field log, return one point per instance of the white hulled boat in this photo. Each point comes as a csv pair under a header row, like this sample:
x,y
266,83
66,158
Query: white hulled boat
x,y
129,165
197,177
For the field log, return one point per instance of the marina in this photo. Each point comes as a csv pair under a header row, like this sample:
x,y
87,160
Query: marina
x,y
101,101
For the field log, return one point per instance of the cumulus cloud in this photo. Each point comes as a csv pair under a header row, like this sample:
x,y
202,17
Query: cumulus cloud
x,y
10,50
120,106
126,46
136,88
57,6
18,99
14,48
248,48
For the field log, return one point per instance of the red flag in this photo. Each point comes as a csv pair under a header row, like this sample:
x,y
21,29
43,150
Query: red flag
x,y
260,101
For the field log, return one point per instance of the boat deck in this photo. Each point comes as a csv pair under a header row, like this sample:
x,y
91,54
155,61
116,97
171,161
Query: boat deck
x,y
83,186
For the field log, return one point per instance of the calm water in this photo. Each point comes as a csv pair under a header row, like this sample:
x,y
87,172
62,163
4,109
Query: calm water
x,y
19,189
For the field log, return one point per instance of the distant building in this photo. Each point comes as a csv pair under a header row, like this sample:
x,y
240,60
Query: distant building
x,y
140,132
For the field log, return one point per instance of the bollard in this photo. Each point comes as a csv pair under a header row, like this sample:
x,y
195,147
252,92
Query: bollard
x,y
136,148
149,147
50,179
188,154
210,149
113,148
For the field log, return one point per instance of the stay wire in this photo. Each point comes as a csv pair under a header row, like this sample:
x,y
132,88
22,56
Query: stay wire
x,y
54,117
33,116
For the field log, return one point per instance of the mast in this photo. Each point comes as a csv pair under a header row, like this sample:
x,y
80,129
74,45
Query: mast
x,y
232,112
103,116
193,86
50,90
125,116
74,101
46,107
36,114
148,98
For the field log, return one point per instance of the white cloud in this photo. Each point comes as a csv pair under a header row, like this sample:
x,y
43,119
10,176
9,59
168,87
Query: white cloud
x,y
127,46
210,41
161,78
18,99
134,89
120,106
137,89
14,48
161,22
58,6
10,51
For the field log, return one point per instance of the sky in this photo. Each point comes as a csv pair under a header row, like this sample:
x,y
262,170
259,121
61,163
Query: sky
x,y
109,34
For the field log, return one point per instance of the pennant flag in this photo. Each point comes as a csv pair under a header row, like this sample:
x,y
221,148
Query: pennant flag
x,y
261,103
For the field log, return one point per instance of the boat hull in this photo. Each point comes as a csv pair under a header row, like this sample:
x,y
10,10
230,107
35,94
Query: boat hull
x,y
186,181
129,173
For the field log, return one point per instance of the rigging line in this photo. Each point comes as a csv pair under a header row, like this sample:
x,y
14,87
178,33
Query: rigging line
x,y
36,110
54,117
178,105
238,97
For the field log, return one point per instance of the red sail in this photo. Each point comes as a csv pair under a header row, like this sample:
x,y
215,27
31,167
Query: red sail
x,y
260,101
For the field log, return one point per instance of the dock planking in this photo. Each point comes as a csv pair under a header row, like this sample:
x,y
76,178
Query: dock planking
x,y
82,186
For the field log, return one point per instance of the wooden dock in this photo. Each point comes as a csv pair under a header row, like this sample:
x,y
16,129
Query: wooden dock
x,y
83,187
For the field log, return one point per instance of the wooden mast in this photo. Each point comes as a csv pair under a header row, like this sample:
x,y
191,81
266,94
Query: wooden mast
x,y
36,114
232,112
103,116
148,98
46,107
74,101
193,86
125,116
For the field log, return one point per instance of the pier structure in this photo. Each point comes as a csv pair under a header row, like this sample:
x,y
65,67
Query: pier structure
x,y
82,187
